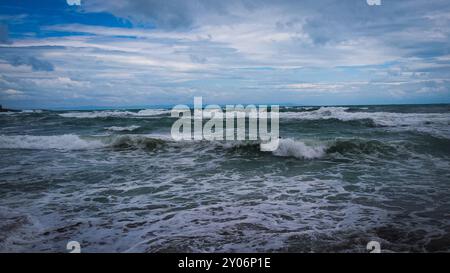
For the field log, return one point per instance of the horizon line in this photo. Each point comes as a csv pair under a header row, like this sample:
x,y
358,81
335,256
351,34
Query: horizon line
x,y
155,106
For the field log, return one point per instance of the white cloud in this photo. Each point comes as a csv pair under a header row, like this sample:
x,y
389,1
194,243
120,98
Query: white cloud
x,y
12,92
59,82
73,2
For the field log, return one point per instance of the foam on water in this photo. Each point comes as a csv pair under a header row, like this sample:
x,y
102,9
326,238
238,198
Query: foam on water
x,y
288,147
37,111
298,149
136,141
436,124
76,142
121,129
58,142
117,113
151,112
380,118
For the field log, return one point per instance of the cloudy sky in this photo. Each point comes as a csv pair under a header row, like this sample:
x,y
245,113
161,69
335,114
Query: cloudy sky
x,y
72,53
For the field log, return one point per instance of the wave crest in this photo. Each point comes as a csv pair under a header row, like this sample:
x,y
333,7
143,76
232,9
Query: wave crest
x,y
359,146
122,129
380,118
117,113
287,147
75,142
298,149
58,142
136,141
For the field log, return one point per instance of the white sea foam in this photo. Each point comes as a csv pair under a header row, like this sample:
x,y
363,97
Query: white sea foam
x,y
75,142
380,118
59,142
287,147
95,114
151,112
116,113
298,149
121,129
37,111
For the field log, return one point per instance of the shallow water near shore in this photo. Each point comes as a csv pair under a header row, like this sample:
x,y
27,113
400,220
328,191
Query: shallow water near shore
x,y
115,181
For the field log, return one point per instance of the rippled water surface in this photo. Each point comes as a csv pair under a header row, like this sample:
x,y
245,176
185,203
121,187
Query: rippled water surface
x,y
115,181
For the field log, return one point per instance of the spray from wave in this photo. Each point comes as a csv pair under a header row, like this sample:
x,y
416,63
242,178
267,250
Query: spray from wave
x,y
309,149
298,149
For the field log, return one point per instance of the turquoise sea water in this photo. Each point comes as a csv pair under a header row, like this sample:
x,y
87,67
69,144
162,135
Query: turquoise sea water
x,y
115,181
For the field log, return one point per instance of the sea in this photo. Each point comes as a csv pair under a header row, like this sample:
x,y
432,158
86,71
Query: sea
x,y
115,181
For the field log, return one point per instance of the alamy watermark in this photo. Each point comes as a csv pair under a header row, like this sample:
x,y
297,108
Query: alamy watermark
x,y
73,247
234,117
373,247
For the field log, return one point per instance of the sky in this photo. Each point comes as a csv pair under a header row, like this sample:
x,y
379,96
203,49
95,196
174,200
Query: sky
x,y
83,53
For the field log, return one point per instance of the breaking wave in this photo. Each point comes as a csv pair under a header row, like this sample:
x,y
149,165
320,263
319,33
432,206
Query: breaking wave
x,y
136,141
121,129
306,150
58,142
109,113
75,142
316,149
37,111
298,149
302,150
380,118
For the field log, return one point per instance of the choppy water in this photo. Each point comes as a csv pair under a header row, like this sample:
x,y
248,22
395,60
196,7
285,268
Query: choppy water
x,y
115,181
